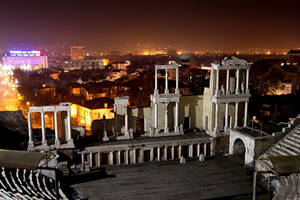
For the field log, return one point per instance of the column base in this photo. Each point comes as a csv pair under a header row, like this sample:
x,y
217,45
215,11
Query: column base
x,y
70,144
44,144
57,144
166,130
30,146
105,138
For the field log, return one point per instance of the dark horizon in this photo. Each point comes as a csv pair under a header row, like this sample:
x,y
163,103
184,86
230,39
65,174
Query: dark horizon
x,y
121,25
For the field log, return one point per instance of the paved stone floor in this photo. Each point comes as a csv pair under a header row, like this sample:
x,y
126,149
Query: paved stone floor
x,y
215,178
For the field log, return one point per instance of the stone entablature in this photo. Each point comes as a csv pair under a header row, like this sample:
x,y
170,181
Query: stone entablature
x,y
231,98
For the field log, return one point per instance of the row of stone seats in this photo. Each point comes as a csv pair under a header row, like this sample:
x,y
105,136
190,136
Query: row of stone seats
x,y
27,184
288,145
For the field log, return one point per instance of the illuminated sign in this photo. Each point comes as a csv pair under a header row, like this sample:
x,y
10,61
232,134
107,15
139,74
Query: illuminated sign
x,y
24,53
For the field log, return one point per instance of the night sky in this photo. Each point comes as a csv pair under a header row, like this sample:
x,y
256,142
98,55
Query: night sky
x,y
121,24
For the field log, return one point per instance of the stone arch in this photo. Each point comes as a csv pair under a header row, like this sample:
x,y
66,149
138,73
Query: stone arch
x,y
239,148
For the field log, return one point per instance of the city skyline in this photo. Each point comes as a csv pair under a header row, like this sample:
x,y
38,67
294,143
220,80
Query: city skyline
x,y
119,25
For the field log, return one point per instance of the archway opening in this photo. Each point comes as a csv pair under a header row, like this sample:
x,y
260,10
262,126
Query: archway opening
x,y
239,150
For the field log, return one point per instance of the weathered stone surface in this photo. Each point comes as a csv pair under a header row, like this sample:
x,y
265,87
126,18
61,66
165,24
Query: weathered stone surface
x,y
171,180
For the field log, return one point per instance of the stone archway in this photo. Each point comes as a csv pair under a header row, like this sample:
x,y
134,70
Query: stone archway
x,y
239,149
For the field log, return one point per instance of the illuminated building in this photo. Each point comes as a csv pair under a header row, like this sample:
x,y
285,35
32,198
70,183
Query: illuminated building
x,y
85,64
26,60
78,52
83,115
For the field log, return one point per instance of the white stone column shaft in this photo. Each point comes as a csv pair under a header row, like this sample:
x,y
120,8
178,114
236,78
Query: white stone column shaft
x,y
141,156
158,153
176,128
111,158
166,81
126,121
212,150
99,159
227,81
91,160
177,81
119,158
237,81
69,133
204,149
134,156
152,154
247,81
236,114
216,117
166,119
179,151
82,158
165,153
172,153
44,142
190,150
56,129
246,114
126,157
226,116
30,140
198,150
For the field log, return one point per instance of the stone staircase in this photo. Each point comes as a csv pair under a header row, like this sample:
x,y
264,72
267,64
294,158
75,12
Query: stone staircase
x,y
287,145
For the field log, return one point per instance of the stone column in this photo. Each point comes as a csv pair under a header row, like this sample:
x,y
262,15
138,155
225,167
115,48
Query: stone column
x,y
176,128
246,114
126,121
91,160
227,82
99,159
177,81
217,82
133,156
152,154
226,116
216,117
119,158
165,153
237,81
30,141
198,150
57,143
166,80
155,88
141,156
69,133
191,150
111,158
179,151
158,153
44,142
236,115
212,148
166,119
247,81
126,157
172,153
204,149
82,158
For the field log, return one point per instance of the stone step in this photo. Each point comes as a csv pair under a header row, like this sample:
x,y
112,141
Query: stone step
x,y
287,148
293,145
278,151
